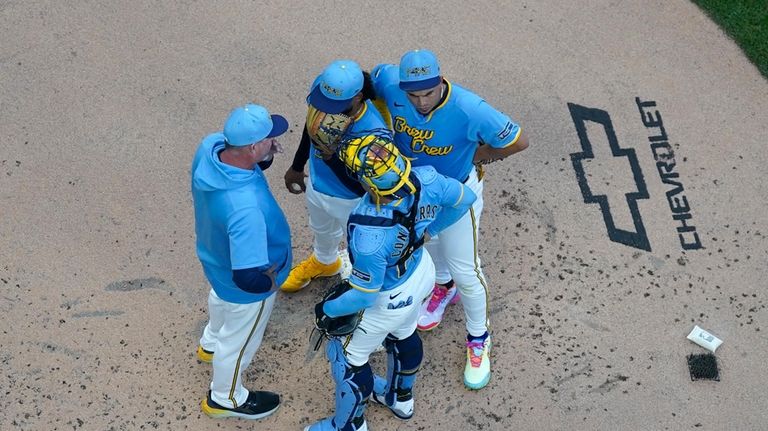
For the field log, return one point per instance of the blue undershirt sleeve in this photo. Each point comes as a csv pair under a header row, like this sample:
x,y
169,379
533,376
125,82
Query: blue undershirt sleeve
x,y
252,280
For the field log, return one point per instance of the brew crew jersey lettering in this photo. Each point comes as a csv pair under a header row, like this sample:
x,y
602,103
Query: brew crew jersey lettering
x,y
447,137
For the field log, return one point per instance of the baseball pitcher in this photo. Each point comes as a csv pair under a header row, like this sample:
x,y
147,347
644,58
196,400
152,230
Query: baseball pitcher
x,y
441,124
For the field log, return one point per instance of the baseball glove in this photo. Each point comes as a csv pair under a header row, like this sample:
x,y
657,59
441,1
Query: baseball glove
x,y
335,326
327,327
326,130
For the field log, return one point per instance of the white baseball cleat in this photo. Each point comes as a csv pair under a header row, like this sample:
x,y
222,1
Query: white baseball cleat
x,y
431,312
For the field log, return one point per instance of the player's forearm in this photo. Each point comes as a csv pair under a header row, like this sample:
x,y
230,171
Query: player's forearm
x,y
486,154
445,218
302,152
340,171
350,302
451,212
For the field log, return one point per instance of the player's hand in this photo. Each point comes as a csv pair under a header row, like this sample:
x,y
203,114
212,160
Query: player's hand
x,y
294,181
427,237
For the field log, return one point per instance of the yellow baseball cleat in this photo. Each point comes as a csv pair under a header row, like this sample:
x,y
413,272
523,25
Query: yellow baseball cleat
x,y
204,355
307,270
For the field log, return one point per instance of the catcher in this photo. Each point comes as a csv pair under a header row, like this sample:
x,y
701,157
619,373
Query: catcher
x,y
391,276
339,103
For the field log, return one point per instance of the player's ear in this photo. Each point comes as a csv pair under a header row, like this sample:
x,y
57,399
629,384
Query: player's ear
x,y
356,102
251,149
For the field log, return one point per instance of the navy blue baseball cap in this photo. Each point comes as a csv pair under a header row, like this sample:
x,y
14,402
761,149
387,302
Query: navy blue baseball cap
x,y
419,70
336,87
252,123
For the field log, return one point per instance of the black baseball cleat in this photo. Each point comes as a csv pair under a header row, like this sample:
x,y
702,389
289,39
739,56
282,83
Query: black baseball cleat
x,y
259,404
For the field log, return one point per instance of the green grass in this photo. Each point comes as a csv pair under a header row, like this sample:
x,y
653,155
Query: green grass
x,y
746,21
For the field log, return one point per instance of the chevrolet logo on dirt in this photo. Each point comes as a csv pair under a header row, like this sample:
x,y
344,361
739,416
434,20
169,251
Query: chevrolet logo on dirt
x,y
610,201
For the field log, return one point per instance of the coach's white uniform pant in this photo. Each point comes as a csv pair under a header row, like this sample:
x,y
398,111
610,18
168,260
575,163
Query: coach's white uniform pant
x,y
233,333
328,217
380,320
455,252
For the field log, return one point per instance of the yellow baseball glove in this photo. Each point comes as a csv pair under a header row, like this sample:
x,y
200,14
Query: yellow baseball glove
x,y
326,130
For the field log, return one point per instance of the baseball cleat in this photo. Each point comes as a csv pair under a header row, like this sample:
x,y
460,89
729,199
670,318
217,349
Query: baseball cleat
x,y
431,312
477,372
259,404
327,425
402,407
456,298
307,270
204,355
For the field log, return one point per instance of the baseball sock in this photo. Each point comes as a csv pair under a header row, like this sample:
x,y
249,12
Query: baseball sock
x,y
447,285
471,337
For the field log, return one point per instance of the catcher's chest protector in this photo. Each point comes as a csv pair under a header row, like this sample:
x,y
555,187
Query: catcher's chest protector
x,y
407,221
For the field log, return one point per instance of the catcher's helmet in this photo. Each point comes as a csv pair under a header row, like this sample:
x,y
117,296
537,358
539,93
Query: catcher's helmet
x,y
375,160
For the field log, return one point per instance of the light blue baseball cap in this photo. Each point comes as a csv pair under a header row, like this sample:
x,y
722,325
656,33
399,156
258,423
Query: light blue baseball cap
x,y
419,70
252,123
336,86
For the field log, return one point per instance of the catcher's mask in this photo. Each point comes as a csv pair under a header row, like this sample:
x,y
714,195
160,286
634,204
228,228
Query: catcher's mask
x,y
375,160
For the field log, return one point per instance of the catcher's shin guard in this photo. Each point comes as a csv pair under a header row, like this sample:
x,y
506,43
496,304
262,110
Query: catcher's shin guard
x,y
404,358
353,387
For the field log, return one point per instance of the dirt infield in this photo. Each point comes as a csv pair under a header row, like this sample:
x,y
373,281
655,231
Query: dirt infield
x,y
638,212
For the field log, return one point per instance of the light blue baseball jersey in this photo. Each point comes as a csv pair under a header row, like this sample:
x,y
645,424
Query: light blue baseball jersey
x,y
376,249
447,137
238,223
322,177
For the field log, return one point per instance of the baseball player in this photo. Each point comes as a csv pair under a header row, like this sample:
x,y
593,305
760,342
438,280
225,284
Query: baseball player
x,y
441,124
244,246
391,276
339,103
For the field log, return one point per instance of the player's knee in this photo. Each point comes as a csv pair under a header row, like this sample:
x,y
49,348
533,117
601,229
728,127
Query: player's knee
x,y
470,286
362,377
409,352
356,360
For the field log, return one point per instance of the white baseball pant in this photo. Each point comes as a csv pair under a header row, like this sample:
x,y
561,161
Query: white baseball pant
x,y
455,252
233,333
328,217
379,320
